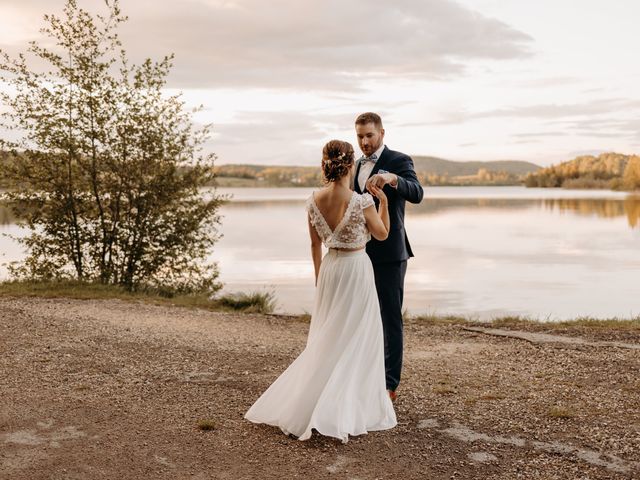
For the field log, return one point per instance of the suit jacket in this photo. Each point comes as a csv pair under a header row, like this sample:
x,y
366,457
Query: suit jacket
x,y
396,247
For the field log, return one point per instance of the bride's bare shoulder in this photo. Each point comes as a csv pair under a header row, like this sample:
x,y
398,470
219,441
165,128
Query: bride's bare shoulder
x,y
329,198
321,194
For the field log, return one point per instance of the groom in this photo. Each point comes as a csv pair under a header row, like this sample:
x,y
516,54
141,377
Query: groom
x,y
393,171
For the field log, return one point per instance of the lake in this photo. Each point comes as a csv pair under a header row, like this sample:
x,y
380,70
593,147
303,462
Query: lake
x,y
481,252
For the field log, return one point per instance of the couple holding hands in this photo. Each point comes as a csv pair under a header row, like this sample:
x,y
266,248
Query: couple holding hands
x,y
344,382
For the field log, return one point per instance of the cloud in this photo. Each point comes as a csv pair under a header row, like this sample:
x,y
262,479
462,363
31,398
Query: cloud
x,y
286,137
526,135
545,82
554,111
593,126
632,126
603,127
580,153
283,137
599,118
315,44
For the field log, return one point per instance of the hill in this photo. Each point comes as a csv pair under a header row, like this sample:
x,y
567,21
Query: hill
x,y
441,166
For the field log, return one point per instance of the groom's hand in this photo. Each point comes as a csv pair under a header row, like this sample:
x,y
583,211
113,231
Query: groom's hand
x,y
381,179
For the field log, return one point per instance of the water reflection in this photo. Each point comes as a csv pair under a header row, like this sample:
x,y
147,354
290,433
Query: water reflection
x,y
6,215
545,254
629,207
598,207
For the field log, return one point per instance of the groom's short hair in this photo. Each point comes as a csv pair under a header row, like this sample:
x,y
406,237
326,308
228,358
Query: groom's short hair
x,y
369,117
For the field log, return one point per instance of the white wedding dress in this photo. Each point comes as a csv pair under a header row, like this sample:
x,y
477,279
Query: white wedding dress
x,y
337,384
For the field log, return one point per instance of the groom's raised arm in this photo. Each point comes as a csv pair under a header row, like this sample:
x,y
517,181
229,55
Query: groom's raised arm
x,y
408,186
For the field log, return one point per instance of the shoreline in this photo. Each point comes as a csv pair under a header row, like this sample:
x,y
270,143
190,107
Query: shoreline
x,y
264,302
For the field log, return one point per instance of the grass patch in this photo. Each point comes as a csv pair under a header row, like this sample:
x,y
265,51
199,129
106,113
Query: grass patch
x,y
444,390
559,411
444,387
504,322
257,302
516,322
607,323
439,319
64,288
632,324
206,425
499,322
491,396
485,397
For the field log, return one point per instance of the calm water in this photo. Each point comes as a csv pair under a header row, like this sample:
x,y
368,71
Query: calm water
x,y
480,251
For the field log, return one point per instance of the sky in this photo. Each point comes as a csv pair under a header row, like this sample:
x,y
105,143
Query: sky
x,y
540,81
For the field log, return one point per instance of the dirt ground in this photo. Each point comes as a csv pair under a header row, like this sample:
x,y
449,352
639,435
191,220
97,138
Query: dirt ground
x,y
106,389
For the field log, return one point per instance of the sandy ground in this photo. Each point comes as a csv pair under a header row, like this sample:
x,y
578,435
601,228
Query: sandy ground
x,y
111,389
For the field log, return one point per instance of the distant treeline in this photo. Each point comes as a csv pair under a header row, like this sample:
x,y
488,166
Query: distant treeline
x,y
267,176
430,171
607,171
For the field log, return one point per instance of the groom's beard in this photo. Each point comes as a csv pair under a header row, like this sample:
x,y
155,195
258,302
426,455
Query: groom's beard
x,y
371,149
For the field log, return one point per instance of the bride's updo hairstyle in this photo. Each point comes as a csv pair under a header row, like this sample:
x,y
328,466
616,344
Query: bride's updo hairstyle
x,y
337,158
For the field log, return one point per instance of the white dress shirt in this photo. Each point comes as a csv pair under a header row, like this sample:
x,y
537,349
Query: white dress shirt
x,y
367,167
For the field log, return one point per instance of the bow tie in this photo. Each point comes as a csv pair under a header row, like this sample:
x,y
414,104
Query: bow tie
x,y
371,159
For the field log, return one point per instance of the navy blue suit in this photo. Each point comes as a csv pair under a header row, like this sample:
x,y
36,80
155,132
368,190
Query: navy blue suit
x,y
389,257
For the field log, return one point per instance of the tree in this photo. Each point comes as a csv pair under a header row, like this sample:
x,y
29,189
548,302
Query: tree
x,y
108,170
631,177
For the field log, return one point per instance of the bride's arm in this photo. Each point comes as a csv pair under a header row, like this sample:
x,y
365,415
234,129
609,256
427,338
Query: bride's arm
x,y
378,221
316,248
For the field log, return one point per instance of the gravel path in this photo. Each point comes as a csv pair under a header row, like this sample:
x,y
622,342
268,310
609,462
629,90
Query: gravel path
x,y
97,389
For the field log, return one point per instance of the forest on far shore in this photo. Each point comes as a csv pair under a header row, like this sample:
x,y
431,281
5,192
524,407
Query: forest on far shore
x,y
430,171
611,171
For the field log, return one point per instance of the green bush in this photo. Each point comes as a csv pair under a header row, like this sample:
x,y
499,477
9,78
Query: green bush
x,y
254,302
108,169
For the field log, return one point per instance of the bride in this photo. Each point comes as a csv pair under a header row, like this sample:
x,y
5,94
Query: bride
x,y
337,384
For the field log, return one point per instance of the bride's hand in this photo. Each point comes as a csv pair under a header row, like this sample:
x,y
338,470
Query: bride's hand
x,y
377,191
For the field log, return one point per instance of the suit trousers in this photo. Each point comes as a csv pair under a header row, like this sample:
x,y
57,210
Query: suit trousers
x,y
390,287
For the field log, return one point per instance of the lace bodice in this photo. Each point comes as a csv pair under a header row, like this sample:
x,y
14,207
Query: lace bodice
x,y
351,232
